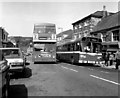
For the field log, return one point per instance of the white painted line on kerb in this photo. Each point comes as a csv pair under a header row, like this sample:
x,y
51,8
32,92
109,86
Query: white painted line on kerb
x,y
105,80
104,71
69,68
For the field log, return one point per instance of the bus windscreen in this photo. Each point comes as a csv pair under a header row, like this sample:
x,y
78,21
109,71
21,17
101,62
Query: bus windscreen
x,y
44,47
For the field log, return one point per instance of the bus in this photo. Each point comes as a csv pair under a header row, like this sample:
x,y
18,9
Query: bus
x,y
44,43
82,50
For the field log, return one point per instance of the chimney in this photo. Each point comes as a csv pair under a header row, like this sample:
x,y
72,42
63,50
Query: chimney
x,y
104,11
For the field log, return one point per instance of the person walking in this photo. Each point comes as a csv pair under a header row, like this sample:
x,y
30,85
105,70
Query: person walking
x,y
111,58
117,57
106,58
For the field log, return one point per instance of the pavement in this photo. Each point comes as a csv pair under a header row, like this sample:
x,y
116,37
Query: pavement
x,y
110,67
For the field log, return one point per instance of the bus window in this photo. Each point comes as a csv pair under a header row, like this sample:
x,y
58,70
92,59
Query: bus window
x,y
97,48
86,46
68,47
78,46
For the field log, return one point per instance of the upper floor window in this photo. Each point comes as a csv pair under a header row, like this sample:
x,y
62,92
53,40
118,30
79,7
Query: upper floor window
x,y
85,24
104,37
116,35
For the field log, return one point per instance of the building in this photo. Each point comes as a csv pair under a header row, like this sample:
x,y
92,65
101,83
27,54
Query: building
x,y
64,36
109,31
84,26
3,37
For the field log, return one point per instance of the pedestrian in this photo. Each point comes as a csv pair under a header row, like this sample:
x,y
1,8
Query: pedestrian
x,y
111,58
117,57
106,58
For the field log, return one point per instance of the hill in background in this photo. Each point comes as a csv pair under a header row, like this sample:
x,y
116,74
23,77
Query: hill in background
x,y
21,42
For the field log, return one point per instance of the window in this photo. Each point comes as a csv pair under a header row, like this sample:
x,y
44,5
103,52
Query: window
x,y
104,36
116,35
78,46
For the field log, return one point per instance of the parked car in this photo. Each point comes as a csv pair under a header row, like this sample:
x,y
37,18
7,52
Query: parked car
x,y
15,59
4,77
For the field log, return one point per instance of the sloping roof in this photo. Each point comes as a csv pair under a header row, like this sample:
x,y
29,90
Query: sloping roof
x,y
68,37
98,14
108,22
64,32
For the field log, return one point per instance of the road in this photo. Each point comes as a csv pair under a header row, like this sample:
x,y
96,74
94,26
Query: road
x,y
63,79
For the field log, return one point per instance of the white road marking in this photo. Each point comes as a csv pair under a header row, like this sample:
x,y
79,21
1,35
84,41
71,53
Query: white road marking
x,y
105,80
64,67
104,71
48,72
90,68
55,64
69,68
81,67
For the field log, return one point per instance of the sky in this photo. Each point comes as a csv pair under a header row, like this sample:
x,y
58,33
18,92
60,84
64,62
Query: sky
x,y
18,18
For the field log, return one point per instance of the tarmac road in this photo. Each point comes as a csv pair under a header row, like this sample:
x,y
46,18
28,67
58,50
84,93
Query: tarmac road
x,y
62,79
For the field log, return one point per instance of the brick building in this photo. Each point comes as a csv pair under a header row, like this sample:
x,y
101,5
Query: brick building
x,y
84,26
109,31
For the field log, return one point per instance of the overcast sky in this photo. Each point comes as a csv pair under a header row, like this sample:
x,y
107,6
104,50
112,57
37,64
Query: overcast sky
x,y
18,18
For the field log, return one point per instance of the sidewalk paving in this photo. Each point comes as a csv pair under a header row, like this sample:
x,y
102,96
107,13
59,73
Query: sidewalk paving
x,y
110,67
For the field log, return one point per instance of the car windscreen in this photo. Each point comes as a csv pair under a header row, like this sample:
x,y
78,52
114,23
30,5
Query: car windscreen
x,y
11,53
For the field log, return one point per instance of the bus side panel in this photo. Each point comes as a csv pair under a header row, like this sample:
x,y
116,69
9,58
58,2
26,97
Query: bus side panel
x,y
68,57
90,58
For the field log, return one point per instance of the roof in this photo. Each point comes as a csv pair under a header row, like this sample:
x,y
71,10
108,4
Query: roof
x,y
74,41
65,32
68,37
97,14
107,22
44,24
9,48
109,43
112,50
64,43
